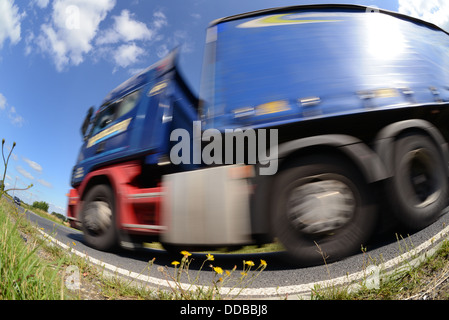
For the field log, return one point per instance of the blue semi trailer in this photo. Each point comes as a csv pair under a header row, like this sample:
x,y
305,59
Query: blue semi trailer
x,y
356,101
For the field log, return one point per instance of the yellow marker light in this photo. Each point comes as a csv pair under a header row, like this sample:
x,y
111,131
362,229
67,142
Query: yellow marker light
x,y
272,107
386,93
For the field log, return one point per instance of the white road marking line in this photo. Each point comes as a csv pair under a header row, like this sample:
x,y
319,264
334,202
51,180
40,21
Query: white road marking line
x,y
302,289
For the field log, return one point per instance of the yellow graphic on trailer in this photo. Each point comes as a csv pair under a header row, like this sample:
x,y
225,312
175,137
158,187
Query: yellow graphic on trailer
x,y
113,130
158,88
272,107
281,19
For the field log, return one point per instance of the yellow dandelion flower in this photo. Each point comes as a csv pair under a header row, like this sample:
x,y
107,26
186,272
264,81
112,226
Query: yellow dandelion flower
x,y
175,263
249,263
263,263
228,273
218,270
210,257
186,253
73,242
243,273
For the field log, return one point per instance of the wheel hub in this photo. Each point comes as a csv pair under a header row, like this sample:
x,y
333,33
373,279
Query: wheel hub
x,y
423,178
321,206
98,217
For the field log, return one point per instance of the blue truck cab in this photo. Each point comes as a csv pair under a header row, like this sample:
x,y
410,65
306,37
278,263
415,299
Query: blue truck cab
x,y
135,120
116,195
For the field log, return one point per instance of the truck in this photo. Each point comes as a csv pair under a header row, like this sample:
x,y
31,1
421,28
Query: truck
x,y
355,101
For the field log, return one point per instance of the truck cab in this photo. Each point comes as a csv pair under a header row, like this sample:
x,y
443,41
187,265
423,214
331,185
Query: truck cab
x,y
126,146
134,120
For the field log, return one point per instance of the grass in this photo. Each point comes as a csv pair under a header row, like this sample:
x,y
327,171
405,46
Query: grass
x,y
23,275
39,212
31,269
427,280
44,214
233,281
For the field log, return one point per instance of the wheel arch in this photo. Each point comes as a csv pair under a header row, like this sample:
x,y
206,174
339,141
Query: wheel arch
x,y
389,134
117,177
93,181
352,149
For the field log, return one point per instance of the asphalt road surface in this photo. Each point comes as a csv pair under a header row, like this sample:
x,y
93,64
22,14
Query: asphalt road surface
x,y
278,280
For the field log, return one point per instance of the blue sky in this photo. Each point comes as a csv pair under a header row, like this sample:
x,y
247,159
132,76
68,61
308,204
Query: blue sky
x,y
58,57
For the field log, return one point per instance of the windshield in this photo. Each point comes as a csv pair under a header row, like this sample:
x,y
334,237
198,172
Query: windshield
x,y
115,111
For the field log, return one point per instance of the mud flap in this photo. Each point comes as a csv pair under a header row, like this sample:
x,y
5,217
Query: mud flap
x,y
207,207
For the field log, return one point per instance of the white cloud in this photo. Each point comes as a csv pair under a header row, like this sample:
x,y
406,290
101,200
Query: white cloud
x,y
182,38
24,173
15,118
73,31
127,54
125,28
42,3
45,183
73,26
29,42
160,20
127,37
33,165
434,11
9,22
57,209
134,71
162,51
2,102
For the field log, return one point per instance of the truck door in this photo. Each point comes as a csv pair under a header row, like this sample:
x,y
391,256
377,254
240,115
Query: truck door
x,y
111,131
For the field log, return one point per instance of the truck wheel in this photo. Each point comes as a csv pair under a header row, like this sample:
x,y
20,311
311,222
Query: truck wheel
x,y
98,218
323,210
418,191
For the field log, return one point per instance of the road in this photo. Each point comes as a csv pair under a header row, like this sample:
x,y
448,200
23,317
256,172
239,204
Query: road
x,y
278,280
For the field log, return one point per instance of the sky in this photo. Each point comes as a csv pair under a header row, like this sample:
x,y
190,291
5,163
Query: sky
x,y
59,57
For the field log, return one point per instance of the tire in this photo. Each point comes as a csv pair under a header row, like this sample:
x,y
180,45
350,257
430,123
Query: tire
x,y
418,190
98,219
322,210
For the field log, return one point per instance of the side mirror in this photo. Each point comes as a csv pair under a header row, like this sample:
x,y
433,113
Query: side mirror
x,y
87,122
